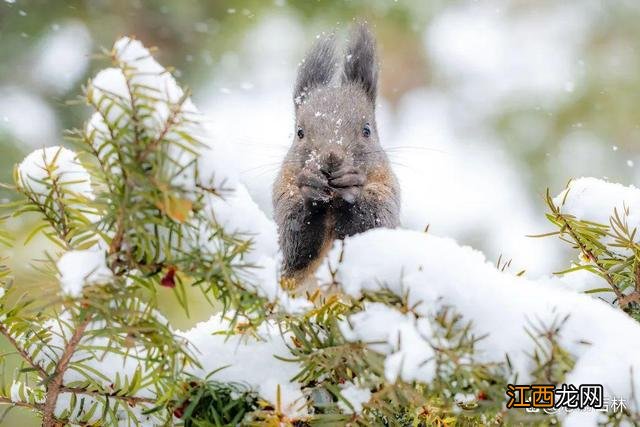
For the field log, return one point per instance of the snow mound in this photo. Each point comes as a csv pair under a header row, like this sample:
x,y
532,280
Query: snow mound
x,y
433,271
38,170
82,267
594,200
249,360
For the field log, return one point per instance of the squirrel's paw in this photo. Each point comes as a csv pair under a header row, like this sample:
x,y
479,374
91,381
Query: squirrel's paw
x,y
347,184
313,187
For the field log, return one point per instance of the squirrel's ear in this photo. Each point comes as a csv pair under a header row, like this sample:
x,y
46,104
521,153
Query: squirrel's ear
x,y
360,65
317,69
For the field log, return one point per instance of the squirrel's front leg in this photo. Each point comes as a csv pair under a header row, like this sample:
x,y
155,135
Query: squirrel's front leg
x,y
368,201
301,212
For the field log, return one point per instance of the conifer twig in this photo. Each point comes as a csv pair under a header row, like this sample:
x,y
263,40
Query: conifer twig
x,y
6,400
591,257
55,385
133,400
24,353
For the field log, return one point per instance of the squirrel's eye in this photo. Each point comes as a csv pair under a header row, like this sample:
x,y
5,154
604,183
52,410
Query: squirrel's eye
x,y
300,133
366,130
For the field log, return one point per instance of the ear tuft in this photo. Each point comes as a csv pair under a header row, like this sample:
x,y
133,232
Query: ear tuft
x,y
360,65
317,69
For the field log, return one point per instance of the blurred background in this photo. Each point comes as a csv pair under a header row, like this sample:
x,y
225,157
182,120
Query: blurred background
x,y
483,104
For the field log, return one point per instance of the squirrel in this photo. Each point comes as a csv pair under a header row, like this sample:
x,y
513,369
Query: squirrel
x,y
335,180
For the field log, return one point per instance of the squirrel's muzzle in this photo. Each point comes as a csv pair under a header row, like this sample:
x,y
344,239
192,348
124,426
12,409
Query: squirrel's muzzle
x,y
331,161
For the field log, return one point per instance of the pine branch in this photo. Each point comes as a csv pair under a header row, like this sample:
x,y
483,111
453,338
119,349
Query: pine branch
x,y
116,242
132,400
591,257
47,218
168,124
55,384
134,109
63,217
32,406
25,354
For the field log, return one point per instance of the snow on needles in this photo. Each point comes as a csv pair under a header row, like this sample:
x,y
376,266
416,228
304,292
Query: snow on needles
x,y
356,396
594,200
39,169
172,115
250,360
109,369
82,267
435,271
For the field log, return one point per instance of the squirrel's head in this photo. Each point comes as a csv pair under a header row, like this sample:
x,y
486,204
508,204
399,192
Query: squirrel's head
x,y
335,106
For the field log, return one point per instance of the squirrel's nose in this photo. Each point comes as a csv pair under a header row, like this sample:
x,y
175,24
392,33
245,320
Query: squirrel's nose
x,y
332,161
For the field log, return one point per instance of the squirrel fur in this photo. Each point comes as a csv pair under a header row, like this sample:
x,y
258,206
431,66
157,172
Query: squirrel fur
x,y
335,180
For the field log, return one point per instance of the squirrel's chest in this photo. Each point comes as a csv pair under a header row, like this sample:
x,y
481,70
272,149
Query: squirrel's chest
x,y
338,224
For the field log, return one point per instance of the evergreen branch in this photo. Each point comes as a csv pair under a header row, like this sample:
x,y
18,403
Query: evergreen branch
x,y
137,132
63,217
32,406
114,138
116,242
132,400
47,218
637,277
94,151
628,299
55,384
176,109
24,353
591,257
588,253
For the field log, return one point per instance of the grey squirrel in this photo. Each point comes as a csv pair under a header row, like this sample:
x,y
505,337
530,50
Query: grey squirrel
x,y
335,180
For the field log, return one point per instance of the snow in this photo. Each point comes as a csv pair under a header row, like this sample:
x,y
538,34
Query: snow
x,y
389,331
249,359
236,212
20,392
39,168
594,200
464,398
356,396
433,271
79,268
62,56
95,364
437,271
18,110
110,81
140,73
146,72
473,45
